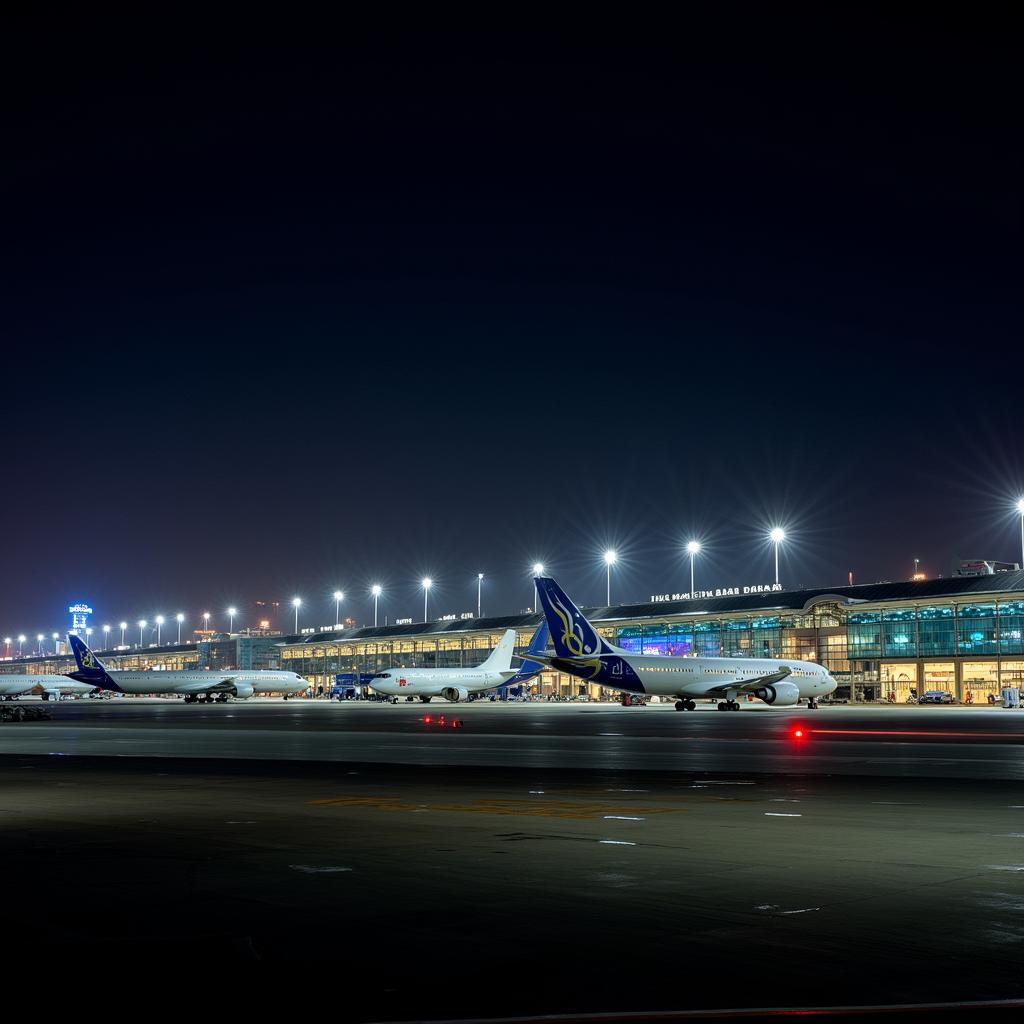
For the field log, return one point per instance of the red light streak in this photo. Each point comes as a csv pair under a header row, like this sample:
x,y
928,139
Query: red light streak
x,y
918,732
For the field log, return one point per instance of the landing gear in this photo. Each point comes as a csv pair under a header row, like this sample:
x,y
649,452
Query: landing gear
x,y
394,700
425,700
812,704
729,705
223,698
685,705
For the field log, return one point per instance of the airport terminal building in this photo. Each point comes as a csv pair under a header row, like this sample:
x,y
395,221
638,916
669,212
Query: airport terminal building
x,y
964,635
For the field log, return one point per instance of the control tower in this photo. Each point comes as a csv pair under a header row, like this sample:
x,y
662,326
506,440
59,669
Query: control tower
x,y
79,617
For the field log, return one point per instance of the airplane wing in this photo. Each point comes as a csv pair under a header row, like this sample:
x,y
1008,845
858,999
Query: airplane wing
x,y
745,685
218,684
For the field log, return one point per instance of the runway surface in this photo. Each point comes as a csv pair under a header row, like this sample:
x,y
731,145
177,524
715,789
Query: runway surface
x,y
464,892
928,742
533,858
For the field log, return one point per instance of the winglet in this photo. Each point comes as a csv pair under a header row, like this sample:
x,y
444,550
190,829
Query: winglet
x,y
528,669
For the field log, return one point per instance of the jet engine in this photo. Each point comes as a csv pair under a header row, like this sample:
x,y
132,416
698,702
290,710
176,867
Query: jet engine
x,y
455,693
243,689
781,695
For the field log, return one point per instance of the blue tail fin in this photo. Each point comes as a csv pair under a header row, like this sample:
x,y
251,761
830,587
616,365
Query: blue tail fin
x,y
90,668
573,635
528,669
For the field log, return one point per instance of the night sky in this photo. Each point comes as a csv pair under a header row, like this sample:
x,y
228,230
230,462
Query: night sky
x,y
280,318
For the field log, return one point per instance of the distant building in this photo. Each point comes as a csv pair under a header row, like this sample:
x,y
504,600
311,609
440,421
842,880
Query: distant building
x,y
983,567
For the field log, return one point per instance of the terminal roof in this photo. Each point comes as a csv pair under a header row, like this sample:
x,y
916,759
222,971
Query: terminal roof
x,y
779,601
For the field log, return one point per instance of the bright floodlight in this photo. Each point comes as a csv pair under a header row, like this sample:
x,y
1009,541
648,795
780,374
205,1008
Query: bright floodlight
x,y
1020,506
142,623
376,590
479,575
21,638
159,620
338,595
610,557
693,547
124,625
538,568
778,535
41,638
427,582
180,617
232,611
54,636
296,601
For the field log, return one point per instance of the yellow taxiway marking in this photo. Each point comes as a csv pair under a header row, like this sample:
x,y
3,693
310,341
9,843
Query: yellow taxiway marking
x,y
524,808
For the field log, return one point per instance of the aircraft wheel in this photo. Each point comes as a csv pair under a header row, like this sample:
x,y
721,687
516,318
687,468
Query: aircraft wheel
x,y
426,700
812,703
680,705
723,706
734,706
690,705
394,700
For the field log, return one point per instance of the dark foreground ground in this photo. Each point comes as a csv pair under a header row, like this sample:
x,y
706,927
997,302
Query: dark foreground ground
x,y
465,891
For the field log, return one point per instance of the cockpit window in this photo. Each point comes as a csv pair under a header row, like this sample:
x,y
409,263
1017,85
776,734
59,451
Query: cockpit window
x,y
382,675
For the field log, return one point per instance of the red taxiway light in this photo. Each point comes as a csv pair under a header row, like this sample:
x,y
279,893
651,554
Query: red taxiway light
x,y
442,721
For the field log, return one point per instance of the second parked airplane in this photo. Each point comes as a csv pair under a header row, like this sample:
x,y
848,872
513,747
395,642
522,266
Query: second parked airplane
x,y
455,684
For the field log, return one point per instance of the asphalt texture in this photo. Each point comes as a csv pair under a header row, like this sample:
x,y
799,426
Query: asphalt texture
x,y
442,887
925,742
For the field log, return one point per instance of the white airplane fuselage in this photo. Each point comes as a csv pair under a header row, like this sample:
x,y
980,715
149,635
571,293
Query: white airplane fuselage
x,y
699,677
260,681
15,686
433,682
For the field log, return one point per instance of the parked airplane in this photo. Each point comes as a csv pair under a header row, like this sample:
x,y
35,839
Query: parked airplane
x,y
52,686
581,651
194,686
455,684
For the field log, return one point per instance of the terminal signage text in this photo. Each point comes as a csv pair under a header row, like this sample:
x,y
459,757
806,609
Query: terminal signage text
x,y
759,588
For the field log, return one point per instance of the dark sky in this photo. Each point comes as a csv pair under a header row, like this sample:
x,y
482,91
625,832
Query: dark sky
x,y
281,316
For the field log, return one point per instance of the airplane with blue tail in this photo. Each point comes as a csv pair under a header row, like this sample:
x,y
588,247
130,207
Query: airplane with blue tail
x,y
194,686
580,650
